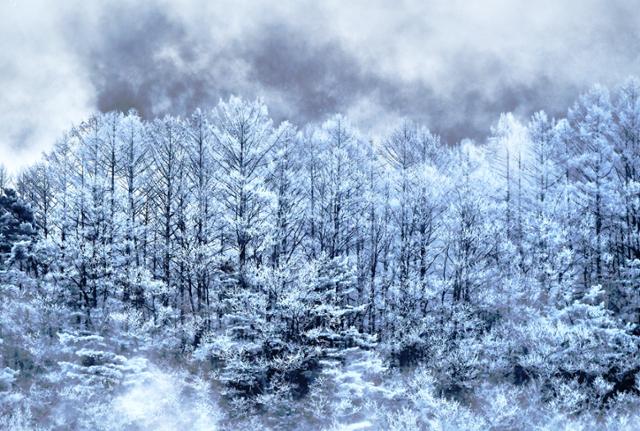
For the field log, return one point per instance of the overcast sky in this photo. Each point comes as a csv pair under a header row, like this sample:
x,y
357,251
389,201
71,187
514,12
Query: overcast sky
x,y
453,65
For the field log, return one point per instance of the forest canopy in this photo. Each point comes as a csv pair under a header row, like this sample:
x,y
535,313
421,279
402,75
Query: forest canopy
x,y
283,277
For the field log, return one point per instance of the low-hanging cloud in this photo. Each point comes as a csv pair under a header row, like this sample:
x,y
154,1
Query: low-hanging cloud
x,y
453,65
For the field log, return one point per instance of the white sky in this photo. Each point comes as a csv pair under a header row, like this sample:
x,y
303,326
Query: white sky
x,y
452,64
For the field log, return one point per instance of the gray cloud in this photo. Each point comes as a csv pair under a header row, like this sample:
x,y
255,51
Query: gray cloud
x,y
141,57
453,65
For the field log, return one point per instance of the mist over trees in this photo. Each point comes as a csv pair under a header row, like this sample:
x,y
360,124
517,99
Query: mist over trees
x,y
311,278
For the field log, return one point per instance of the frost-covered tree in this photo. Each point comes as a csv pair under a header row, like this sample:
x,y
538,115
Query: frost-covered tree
x,y
244,142
395,282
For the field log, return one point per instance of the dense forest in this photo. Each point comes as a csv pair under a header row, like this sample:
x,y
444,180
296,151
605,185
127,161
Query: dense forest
x,y
221,271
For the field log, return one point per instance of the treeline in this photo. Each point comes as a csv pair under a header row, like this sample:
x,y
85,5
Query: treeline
x,y
261,249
